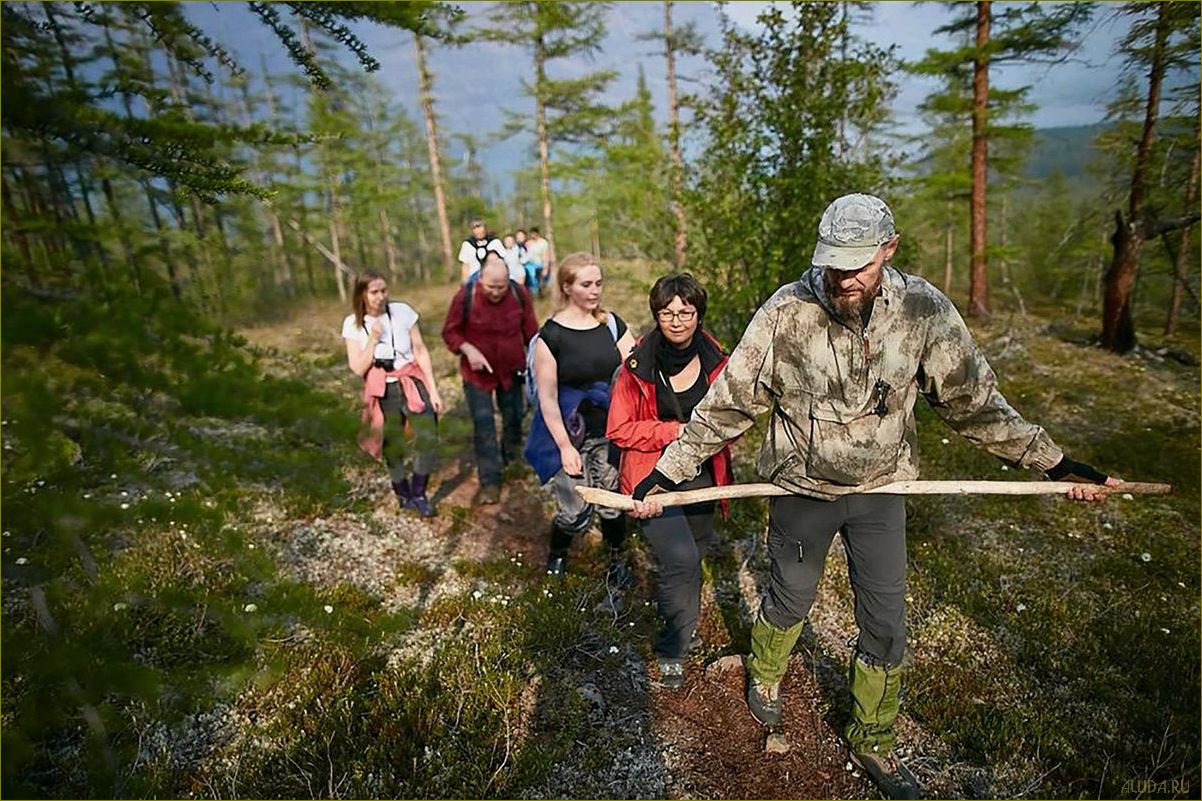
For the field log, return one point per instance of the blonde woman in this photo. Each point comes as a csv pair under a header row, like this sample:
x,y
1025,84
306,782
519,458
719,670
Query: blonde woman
x,y
575,357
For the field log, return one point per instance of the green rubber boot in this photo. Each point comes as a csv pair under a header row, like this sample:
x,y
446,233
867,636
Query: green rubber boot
x,y
875,698
770,649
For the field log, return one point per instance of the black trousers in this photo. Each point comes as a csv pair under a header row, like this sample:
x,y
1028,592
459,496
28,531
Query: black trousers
x,y
800,531
678,540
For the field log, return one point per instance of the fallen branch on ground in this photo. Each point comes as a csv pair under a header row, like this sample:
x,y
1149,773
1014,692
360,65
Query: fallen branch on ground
x,y
615,500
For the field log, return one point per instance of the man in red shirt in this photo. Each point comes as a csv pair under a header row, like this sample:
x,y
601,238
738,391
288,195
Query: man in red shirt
x,y
488,324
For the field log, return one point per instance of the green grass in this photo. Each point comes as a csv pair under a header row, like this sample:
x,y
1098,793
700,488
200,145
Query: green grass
x,y
1038,627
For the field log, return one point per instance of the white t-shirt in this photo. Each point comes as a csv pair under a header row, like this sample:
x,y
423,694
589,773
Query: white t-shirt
x,y
536,251
513,261
472,254
395,342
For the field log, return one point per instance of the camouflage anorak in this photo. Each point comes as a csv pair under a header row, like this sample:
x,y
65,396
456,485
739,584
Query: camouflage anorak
x,y
842,399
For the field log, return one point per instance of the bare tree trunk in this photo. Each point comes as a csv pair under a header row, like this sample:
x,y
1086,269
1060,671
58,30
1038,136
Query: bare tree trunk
x,y
680,249
978,276
544,155
1118,326
1180,264
1004,261
12,223
440,199
389,250
335,242
948,251
595,235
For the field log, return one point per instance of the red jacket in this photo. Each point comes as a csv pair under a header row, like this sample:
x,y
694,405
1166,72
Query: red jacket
x,y
634,425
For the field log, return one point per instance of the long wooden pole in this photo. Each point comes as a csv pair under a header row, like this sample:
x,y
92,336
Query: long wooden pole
x,y
615,500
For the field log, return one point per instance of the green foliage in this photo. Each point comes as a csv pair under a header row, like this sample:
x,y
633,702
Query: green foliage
x,y
772,158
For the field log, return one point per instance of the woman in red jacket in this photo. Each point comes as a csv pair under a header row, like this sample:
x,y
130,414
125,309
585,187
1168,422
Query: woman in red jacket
x,y
657,387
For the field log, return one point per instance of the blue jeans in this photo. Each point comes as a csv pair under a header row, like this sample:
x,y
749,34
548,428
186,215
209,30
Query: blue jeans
x,y
491,459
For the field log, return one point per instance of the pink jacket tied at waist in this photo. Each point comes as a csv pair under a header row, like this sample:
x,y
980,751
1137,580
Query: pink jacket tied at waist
x,y
372,417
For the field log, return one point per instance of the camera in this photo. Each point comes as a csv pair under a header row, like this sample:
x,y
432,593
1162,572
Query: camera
x,y
388,364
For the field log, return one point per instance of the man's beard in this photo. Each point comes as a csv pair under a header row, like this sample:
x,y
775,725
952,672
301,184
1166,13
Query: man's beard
x,y
849,308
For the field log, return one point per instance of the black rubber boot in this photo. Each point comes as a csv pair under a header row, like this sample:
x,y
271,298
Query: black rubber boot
x,y
557,559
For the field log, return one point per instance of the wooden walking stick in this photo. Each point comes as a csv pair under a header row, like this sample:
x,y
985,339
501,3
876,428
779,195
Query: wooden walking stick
x,y
615,500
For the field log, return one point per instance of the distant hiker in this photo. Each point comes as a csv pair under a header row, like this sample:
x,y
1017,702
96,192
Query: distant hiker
x,y
532,269
538,251
660,382
839,358
575,357
471,252
513,258
401,403
488,324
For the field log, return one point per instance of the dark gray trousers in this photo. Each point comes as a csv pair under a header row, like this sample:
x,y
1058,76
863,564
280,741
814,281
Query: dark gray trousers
x,y
678,540
800,531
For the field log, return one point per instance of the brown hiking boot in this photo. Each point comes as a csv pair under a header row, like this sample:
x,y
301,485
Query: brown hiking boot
x,y
889,773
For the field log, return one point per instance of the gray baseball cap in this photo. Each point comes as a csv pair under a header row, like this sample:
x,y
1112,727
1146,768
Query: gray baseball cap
x,y
851,230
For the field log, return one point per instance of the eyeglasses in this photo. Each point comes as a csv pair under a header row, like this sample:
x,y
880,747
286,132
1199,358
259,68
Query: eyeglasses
x,y
684,315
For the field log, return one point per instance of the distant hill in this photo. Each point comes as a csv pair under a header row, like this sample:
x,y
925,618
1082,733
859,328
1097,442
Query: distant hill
x,y
1068,149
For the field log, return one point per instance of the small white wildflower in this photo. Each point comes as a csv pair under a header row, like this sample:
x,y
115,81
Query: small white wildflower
x,y
1107,526
42,483
1164,630
251,546
1127,496
250,608
21,560
632,624
1145,557
1005,468
183,535
117,607
124,494
6,533
125,506
477,595
87,495
1181,584
504,602
112,475
329,609
613,649
945,440
1021,608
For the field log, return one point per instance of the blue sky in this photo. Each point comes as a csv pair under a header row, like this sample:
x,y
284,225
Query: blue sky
x,y
475,82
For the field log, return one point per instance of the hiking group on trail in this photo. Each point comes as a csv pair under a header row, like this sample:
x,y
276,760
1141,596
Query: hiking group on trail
x,y
837,359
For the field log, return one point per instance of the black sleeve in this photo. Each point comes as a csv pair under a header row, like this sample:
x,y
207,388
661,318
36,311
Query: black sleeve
x,y
549,335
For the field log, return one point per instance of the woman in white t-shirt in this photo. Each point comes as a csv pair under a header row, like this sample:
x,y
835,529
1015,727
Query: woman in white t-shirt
x,y
384,345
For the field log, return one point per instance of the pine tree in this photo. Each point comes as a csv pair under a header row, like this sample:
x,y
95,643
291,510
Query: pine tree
x,y
1163,37
566,111
772,158
1018,33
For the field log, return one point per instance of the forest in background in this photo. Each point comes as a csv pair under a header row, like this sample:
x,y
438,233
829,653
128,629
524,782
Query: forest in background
x,y
158,193
139,155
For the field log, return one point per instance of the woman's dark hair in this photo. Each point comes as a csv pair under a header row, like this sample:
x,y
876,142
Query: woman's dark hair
x,y
359,294
685,285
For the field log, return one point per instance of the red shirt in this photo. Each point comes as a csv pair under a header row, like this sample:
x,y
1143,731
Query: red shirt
x,y
500,330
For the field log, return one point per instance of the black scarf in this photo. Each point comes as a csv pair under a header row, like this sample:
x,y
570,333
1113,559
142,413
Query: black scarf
x,y
672,359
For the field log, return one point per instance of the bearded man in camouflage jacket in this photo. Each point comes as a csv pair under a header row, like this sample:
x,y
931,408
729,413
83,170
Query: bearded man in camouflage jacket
x,y
839,358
